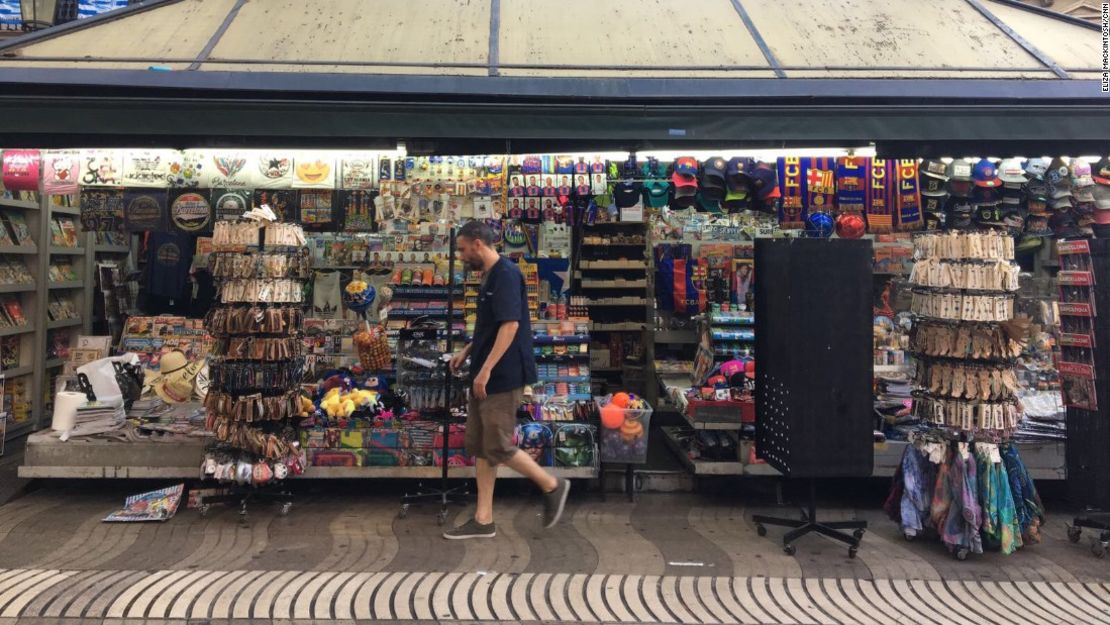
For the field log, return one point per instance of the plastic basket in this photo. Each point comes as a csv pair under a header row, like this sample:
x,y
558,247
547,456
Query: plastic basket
x,y
628,443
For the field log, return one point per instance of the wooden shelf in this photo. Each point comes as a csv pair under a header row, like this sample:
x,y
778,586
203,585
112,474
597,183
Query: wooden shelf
x,y
65,210
614,264
69,284
23,329
25,204
63,323
54,363
627,326
618,301
19,249
16,288
68,251
17,371
676,337
614,284
111,249
700,467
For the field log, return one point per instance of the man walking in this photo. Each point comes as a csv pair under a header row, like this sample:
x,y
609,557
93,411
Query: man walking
x,y
501,365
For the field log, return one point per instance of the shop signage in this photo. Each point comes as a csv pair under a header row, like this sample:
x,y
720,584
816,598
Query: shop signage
x,y
102,210
60,171
144,211
190,212
101,168
21,170
147,168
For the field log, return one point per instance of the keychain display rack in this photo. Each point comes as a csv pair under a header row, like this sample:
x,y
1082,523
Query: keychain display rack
x,y
964,284
258,361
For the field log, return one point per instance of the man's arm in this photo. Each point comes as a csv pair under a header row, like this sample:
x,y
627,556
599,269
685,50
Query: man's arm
x,y
505,335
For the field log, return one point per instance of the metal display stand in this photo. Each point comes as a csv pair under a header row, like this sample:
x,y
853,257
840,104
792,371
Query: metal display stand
x,y
443,491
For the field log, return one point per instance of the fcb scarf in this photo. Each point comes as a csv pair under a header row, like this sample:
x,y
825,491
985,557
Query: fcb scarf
x,y
851,183
792,208
908,213
880,196
820,176
806,185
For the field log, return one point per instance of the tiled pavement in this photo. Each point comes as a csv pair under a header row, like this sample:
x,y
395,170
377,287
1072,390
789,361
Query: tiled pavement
x,y
665,558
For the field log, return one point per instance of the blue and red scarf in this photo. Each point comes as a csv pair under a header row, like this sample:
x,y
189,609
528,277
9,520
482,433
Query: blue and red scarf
x,y
807,184
852,176
908,215
882,182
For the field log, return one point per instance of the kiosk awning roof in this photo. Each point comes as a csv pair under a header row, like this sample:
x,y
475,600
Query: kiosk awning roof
x,y
516,62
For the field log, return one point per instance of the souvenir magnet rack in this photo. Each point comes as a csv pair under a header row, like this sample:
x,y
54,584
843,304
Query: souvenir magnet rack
x,y
444,492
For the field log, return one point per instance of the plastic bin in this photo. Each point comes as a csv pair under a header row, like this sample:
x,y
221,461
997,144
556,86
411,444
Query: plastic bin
x,y
627,444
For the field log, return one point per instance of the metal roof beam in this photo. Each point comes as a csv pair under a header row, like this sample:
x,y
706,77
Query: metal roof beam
x,y
494,36
216,36
759,40
1018,39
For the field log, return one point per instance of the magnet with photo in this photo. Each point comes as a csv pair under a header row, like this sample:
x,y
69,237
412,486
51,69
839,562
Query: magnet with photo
x,y
582,184
532,185
516,185
549,189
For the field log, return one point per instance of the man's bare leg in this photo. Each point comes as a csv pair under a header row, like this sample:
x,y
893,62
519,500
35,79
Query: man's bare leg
x,y
523,464
487,479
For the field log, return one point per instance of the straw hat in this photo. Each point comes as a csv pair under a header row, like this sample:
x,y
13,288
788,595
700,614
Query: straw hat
x,y
174,380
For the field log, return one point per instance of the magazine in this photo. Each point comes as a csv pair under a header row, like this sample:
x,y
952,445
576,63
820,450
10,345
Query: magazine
x,y
69,231
15,311
157,505
9,352
57,239
20,232
5,230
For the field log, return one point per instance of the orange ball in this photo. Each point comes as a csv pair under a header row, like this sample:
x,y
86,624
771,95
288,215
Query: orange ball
x,y
612,416
620,399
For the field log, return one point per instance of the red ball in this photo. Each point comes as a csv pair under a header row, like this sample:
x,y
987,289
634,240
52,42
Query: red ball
x,y
612,417
850,226
620,399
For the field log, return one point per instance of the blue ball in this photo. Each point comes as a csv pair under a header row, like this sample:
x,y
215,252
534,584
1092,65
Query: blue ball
x,y
819,225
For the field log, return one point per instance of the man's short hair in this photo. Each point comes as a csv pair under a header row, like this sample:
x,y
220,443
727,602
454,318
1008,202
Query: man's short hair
x,y
476,230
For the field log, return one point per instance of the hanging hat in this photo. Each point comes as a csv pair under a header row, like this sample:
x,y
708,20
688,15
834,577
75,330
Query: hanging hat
x,y
1081,173
985,174
1058,175
1011,173
1101,171
713,178
1036,168
174,381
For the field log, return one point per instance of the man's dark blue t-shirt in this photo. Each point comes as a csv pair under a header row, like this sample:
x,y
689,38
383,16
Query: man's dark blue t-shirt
x,y
503,297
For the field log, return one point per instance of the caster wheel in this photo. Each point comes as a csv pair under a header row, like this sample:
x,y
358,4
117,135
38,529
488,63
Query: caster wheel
x,y
858,534
789,550
403,512
759,529
203,509
961,554
1098,548
909,537
852,551
1074,533
441,518
285,507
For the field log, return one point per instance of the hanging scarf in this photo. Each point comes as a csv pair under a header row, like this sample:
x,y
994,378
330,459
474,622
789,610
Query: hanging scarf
x,y
820,184
909,195
1030,510
851,183
1000,526
792,209
880,196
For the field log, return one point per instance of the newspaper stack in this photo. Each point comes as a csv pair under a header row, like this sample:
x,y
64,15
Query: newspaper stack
x,y
96,419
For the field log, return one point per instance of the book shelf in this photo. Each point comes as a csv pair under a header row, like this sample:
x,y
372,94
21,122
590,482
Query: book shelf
x,y
20,287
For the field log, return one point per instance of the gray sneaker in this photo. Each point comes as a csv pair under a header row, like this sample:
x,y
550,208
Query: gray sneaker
x,y
471,529
554,502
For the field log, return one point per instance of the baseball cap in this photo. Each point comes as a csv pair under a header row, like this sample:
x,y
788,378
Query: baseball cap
x,y
985,174
1037,204
933,220
934,168
686,165
713,178
1063,224
932,186
1036,167
708,204
765,180
985,195
934,203
1060,203
959,188
739,171
1102,197
1011,200
1084,194
1081,173
959,205
1101,171
1058,175
1011,172
685,187
959,170
736,200
657,192
1037,187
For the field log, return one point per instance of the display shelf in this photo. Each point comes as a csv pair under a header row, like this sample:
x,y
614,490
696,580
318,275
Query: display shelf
x,y
541,339
627,326
65,210
54,363
70,284
411,313
111,249
582,379
17,371
422,292
557,358
13,203
606,369
636,245
613,264
700,467
676,337
63,323
711,425
16,288
67,251
614,284
570,397
19,429
23,329
618,301
19,249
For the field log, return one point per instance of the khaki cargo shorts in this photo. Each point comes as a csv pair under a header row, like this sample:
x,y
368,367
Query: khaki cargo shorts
x,y
490,425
